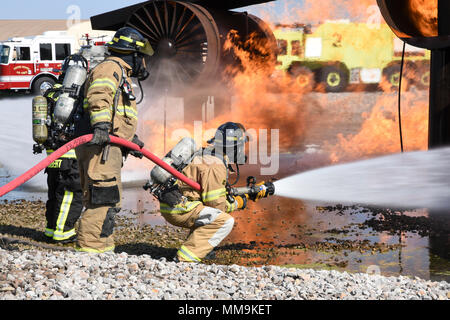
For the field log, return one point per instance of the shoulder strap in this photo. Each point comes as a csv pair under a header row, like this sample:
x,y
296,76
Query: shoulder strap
x,y
118,91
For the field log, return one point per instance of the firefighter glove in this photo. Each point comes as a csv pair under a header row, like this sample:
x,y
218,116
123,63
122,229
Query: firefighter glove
x,y
241,201
262,193
135,153
101,134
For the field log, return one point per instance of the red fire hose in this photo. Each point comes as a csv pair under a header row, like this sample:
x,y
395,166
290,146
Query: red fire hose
x,y
85,139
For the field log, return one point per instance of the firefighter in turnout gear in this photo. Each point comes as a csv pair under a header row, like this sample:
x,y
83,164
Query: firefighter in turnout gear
x,y
109,109
207,213
64,204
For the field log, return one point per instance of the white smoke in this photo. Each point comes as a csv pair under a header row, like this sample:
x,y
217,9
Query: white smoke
x,y
16,141
16,147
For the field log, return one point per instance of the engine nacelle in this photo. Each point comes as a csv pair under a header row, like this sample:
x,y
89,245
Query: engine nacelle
x,y
189,37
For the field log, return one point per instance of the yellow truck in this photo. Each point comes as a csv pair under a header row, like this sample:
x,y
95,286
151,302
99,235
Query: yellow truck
x,y
336,54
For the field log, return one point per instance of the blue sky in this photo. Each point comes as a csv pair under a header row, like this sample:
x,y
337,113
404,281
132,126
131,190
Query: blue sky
x,y
51,9
277,11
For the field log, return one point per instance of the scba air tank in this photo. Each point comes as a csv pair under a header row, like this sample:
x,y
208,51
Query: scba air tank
x,y
178,157
39,117
73,80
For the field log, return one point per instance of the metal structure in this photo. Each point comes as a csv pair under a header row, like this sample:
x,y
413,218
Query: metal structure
x,y
427,25
188,37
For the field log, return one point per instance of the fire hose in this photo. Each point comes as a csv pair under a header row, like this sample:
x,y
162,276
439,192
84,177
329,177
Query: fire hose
x,y
85,139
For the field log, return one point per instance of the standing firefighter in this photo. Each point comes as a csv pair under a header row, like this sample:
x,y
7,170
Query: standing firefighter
x,y
110,108
64,204
207,212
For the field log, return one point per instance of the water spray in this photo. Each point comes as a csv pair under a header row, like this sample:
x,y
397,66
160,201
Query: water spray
x,y
413,180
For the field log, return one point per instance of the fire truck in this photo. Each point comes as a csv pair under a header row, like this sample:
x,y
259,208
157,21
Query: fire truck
x,y
28,62
336,54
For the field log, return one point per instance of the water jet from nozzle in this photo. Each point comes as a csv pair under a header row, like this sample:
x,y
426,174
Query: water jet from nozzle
x,y
408,180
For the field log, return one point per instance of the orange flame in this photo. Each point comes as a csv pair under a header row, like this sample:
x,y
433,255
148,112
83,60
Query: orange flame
x,y
379,133
424,15
262,100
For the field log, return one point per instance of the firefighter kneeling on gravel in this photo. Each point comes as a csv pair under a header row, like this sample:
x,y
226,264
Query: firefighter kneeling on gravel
x,y
206,213
109,109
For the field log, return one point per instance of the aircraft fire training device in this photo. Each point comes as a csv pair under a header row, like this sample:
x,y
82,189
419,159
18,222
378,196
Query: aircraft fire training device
x,y
193,31
425,24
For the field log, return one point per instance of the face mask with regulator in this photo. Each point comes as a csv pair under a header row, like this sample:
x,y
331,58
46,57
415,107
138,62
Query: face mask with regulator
x,y
140,72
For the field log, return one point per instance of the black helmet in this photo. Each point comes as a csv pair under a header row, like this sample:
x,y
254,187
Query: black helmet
x,y
130,40
230,139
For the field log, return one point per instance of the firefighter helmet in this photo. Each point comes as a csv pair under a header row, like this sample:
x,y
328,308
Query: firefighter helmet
x,y
230,139
129,40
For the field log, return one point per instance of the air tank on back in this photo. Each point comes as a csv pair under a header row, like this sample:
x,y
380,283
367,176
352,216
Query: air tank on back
x,y
39,117
73,81
178,158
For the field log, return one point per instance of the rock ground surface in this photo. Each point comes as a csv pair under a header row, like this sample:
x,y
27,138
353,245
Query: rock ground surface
x,y
33,274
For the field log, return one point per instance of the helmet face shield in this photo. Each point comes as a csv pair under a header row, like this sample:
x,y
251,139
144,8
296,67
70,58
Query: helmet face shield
x,y
230,140
146,48
128,40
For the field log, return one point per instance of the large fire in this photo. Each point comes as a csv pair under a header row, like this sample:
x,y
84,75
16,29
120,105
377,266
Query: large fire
x,y
263,99
379,132
424,15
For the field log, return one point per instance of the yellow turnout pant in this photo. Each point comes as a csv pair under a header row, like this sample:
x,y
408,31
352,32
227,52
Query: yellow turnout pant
x,y
102,190
209,226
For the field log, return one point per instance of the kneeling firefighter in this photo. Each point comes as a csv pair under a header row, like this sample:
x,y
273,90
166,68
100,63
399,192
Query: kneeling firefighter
x,y
64,204
109,109
205,213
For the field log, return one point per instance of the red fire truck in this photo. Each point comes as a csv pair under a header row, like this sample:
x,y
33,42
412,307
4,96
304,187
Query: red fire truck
x,y
26,63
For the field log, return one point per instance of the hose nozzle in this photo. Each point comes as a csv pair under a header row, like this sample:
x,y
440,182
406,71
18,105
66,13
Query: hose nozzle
x,y
270,188
255,191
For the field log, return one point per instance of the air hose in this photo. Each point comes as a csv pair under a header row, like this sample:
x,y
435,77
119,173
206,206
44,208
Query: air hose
x,y
85,139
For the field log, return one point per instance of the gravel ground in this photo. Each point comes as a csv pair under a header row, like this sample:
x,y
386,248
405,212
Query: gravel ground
x,y
38,275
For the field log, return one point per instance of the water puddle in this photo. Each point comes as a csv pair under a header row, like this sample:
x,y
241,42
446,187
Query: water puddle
x,y
307,234
292,233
